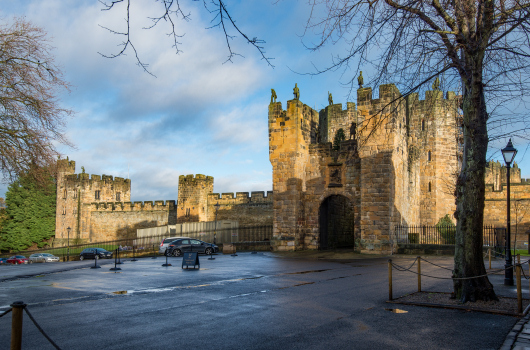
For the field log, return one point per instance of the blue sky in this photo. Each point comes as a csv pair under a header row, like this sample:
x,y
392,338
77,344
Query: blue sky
x,y
200,114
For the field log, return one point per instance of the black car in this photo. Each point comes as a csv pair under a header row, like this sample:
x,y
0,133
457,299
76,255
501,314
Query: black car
x,y
180,246
95,253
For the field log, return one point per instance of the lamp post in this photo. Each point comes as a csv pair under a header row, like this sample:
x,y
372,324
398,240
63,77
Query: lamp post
x,y
215,231
68,249
508,153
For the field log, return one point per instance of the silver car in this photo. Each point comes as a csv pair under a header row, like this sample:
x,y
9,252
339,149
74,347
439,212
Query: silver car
x,y
165,243
43,257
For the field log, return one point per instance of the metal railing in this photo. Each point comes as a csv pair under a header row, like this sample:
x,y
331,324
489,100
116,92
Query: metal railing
x,y
441,235
259,235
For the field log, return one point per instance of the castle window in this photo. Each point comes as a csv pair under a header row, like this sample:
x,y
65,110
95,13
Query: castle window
x,y
118,195
423,125
429,187
64,194
97,193
188,212
429,156
75,194
64,211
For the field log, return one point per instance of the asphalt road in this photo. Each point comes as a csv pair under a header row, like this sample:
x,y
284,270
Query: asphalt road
x,y
252,301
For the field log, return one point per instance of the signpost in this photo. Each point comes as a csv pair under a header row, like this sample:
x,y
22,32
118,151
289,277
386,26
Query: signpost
x,y
191,259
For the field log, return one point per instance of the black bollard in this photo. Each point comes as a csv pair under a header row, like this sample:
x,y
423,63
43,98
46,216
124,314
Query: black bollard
x,y
166,264
115,262
211,255
134,257
119,260
154,253
96,266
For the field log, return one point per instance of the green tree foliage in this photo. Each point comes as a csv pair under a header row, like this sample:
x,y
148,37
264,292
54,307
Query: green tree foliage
x,y
447,229
30,214
339,137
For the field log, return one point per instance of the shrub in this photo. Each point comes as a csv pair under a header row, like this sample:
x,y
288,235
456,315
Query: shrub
x,y
414,238
447,229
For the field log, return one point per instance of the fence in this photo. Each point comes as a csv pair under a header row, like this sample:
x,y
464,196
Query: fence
x,y
443,235
242,237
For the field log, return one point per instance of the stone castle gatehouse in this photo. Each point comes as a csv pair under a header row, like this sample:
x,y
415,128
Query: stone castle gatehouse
x,y
397,165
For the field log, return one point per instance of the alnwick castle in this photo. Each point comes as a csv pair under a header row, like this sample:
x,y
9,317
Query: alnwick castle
x,y
394,162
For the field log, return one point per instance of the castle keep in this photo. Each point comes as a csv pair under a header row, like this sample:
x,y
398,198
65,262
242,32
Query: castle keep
x,y
394,162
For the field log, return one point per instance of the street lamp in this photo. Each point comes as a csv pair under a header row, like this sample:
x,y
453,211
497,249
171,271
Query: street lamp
x,y
508,153
215,231
68,250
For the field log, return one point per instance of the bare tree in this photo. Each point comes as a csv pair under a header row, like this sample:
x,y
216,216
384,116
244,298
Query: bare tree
x,y
171,11
31,120
478,46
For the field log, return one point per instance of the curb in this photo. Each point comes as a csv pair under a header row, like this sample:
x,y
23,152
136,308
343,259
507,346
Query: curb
x,y
511,338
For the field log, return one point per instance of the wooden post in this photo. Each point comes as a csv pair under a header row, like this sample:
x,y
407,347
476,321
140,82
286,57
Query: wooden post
x,y
419,274
489,256
16,325
519,293
389,279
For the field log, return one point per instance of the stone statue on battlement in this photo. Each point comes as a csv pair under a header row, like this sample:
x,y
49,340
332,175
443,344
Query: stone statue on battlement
x,y
353,130
296,92
330,98
360,80
83,169
273,96
436,84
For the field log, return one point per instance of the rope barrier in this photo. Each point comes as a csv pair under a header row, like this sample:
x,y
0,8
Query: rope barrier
x,y
427,261
6,312
41,330
493,272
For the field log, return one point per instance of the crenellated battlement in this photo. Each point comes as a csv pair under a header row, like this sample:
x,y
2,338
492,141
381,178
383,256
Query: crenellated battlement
x,y
195,179
106,179
168,205
240,198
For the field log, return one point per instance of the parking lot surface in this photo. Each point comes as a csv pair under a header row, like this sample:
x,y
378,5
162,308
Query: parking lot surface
x,y
250,301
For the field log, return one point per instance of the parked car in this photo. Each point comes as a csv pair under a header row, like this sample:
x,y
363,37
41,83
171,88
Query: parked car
x,y
43,257
180,246
165,243
95,253
17,260
3,261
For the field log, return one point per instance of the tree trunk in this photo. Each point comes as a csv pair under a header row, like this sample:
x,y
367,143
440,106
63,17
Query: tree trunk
x,y
470,195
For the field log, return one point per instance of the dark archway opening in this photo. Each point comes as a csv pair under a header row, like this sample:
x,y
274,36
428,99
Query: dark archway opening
x,y
336,217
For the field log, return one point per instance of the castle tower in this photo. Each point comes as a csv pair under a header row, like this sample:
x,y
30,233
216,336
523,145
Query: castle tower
x,y
192,205
433,137
75,190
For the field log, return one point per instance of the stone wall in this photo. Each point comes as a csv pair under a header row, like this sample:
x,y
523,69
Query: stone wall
x,y
98,208
253,209
495,212
110,221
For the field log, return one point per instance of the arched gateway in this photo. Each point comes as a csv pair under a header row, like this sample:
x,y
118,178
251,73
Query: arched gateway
x,y
336,220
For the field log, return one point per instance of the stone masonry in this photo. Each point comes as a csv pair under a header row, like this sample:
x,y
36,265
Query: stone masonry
x,y
98,208
398,167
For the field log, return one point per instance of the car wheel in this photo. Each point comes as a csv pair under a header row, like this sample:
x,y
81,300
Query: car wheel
x,y
177,252
208,251
81,258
